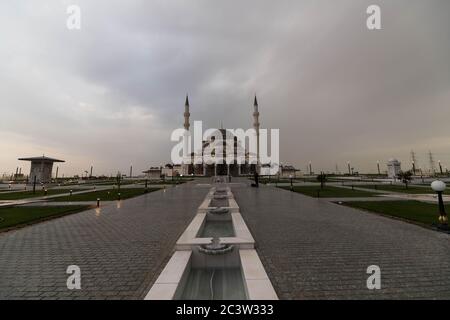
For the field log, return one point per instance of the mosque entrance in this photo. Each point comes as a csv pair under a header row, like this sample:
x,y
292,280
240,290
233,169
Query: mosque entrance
x,y
222,169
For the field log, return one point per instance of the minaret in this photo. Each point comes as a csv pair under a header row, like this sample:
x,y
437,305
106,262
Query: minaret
x,y
256,127
186,114
186,138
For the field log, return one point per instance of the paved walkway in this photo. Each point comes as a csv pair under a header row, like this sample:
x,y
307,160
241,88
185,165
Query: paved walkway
x,y
429,196
40,199
120,250
371,199
314,249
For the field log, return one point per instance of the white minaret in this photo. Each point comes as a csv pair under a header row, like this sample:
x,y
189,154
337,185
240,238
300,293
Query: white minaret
x,y
256,127
186,148
186,114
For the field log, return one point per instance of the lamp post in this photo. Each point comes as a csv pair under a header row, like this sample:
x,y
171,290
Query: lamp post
x,y
439,187
292,186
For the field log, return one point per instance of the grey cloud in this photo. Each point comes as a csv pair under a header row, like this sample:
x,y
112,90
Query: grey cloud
x,y
112,92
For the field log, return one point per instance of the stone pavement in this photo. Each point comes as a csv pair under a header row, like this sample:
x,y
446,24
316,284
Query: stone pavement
x,y
314,249
120,249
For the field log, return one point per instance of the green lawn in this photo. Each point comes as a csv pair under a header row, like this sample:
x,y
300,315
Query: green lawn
x,y
330,192
401,188
105,195
14,216
29,193
414,211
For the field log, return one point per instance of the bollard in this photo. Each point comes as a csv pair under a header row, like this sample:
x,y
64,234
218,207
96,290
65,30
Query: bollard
x,y
70,192
98,202
118,196
45,192
353,187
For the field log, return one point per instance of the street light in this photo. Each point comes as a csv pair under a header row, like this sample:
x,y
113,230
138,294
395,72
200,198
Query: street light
x,y
439,187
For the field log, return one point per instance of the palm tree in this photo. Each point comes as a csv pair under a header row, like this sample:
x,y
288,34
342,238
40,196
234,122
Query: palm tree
x,y
405,177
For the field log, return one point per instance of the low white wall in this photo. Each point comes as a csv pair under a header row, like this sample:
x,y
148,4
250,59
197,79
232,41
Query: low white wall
x,y
172,279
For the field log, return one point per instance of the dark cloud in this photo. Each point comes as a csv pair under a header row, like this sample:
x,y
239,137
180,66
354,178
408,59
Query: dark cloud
x,y
111,93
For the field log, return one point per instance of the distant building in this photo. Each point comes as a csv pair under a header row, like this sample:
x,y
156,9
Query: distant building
x,y
264,170
393,168
170,170
41,168
154,173
287,171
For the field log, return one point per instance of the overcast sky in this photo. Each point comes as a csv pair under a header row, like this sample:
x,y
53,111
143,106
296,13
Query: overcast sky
x,y
111,93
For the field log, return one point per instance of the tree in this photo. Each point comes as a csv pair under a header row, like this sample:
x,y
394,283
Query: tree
x,y
322,178
405,177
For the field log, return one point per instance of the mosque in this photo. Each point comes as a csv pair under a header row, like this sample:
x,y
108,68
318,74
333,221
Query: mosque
x,y
249,164
223,169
